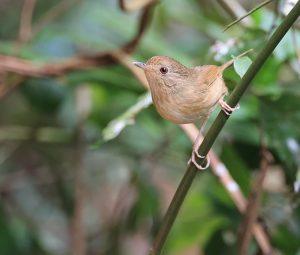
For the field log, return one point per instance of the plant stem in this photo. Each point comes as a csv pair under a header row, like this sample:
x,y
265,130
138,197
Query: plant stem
x,y
217,126
247,14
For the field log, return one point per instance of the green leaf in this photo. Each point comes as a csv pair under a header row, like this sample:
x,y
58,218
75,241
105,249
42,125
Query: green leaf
x,y
241,65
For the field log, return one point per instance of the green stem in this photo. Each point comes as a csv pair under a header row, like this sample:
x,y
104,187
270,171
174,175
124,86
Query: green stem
x,y
217,126
247,14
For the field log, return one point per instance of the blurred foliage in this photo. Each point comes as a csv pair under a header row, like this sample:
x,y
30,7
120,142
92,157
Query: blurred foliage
x,y
56,166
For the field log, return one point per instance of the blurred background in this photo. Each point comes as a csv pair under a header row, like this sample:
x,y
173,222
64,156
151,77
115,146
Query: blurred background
x,y
87,166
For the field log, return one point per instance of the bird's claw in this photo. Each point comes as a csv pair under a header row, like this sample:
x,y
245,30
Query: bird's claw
x,y
193,160
195,151
226,108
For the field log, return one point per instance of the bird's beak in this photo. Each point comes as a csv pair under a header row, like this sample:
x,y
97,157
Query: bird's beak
x,y
139,64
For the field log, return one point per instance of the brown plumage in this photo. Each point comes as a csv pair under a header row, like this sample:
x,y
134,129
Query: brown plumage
x,y
183,95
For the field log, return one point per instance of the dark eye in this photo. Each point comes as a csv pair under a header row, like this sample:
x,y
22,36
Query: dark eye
x,y
163,70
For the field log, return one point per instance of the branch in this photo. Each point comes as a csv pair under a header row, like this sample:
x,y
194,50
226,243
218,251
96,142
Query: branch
x,y
220,170
30,68
115,126
217,126
250,217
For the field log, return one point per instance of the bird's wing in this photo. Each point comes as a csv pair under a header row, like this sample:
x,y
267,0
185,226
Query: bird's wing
x,y
207,74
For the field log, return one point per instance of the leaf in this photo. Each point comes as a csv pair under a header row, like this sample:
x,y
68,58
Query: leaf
x,y
241,65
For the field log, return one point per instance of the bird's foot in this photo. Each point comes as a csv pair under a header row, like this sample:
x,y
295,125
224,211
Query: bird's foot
x,y
227,108
195,154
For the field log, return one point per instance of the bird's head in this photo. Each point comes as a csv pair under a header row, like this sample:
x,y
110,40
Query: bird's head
x,y
164,71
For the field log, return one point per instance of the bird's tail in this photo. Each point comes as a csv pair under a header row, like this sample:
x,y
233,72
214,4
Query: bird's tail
x,y
230,62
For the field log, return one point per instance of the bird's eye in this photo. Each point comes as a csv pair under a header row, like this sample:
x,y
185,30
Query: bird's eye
x,y
163,70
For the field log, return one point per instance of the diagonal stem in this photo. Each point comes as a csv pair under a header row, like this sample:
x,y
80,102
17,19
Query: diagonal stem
x,y
247,14
217,126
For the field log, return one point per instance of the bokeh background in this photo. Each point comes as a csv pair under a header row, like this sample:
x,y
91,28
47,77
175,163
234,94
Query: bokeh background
x,y
87,166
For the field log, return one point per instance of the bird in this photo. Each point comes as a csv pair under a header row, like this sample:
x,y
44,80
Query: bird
x,y
185,95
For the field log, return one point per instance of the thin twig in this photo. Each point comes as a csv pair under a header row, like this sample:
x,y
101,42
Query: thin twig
x,y
115,126
253,202
217,126
25,32
235,10
247,14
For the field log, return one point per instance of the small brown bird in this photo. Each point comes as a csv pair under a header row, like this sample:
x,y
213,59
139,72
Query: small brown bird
x,y
184,95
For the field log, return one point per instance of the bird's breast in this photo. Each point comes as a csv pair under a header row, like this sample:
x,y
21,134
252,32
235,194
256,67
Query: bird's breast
x,y
187,104
179,107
